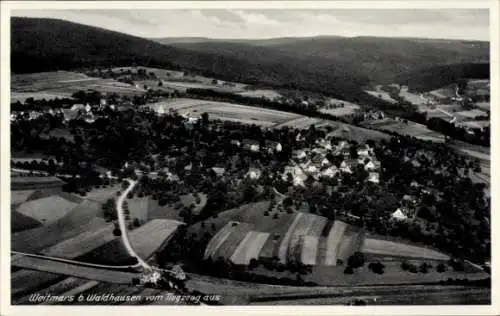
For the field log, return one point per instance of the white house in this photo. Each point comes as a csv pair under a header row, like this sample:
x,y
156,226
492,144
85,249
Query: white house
x,y
370,166
330,172
373,177
297,173
344,167
254,173
299,154
399,215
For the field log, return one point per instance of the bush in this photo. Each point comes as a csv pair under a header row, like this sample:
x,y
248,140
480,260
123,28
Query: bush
x,y
441,268
377,267
424,267
356,260
348,270
254,263
266,213
405,265
340,262
413,268
276,216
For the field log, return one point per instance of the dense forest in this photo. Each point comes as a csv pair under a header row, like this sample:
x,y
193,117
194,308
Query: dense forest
x,y
333,66
439,76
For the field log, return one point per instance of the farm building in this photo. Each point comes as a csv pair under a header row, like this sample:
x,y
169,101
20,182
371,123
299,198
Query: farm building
x,y
254,173
299,154
297,173
251,145
330,172
218,172
399,215
373,177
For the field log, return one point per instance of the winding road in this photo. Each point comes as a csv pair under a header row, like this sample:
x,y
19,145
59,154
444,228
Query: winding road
x,y
123,226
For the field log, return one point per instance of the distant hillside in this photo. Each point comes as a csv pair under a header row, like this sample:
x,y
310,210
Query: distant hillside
x,y
336,66
48,44
437,77
380,59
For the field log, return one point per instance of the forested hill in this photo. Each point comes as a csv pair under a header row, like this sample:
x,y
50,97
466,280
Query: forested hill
x,y
49,44
336,66
382,60
439,76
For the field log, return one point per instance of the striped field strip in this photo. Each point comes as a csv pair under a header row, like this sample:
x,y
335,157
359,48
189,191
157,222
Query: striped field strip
x,y
301,230
309,250
249,247
333,241
217,240
283,248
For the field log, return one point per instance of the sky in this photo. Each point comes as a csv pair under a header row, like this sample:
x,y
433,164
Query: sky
x,y
468,24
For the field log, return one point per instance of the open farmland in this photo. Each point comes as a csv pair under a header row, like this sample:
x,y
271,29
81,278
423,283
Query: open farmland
x,y
81,244
22,96
104,275
26,281
46,210
249,248
381,94
261,93
64,83
413,98
20,196
232,241
406,128
359,134
347,109
20,222
301,122
59,288
224,111
101,195
245,233
146,240
81,218
485,106
391,248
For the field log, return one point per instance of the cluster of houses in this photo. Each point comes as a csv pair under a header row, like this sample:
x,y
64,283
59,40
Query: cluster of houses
x,y
315,163
373,115
84,111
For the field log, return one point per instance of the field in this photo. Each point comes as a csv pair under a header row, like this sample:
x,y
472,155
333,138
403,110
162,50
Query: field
x,y
411,129
249,248
74,270
224,111
46,210
413,98
268,94
81,218
101,195
33,183
145,240
20,196
359,134
339,112
20,222
477,124
22,96
381,94
391,248
81,244
485,106
63,84
245,233
471,114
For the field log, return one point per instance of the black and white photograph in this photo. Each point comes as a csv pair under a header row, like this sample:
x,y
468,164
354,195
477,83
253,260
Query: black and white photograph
x,y
188,154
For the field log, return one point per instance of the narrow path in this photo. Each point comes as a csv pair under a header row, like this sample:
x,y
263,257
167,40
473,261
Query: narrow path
x,y
123,226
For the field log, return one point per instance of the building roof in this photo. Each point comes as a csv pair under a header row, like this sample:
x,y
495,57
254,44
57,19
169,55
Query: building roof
x,y
398,214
